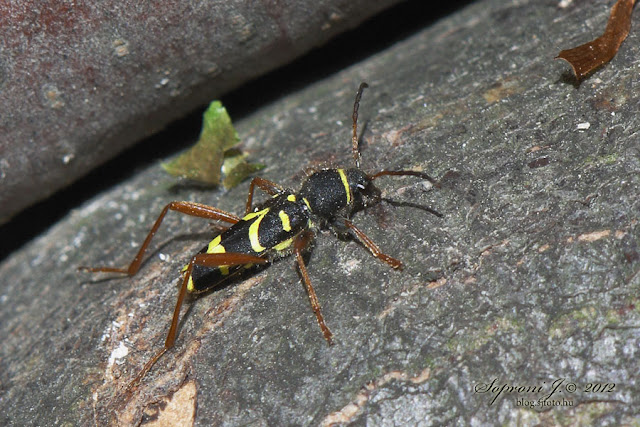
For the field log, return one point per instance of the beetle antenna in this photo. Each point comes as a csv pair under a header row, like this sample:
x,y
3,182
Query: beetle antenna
x,y
354,138
411,205
406,173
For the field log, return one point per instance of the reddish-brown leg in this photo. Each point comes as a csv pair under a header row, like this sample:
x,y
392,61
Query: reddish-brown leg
x,y
187,208
269,187
300,243
208,260
373,248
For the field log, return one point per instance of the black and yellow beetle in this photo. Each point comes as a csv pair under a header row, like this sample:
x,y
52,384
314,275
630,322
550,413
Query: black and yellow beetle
x,y
285,224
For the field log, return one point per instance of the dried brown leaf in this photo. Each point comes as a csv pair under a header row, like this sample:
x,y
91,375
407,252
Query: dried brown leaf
x,y
589,56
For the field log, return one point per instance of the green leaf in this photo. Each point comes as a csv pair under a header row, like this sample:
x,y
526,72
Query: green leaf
x,y
203,162
236,168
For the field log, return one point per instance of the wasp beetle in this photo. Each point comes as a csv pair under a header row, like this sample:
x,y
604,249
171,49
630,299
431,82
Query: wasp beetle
x,y
283,225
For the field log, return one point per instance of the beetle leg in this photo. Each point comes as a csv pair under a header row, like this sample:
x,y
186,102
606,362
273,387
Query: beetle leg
x,y
269,187
373,248
187,208
301,242
208,260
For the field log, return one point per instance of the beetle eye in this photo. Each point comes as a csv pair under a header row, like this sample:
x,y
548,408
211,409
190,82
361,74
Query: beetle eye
x,y
360,186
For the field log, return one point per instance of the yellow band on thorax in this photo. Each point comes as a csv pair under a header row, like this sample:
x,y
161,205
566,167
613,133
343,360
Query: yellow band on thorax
x,y
345,182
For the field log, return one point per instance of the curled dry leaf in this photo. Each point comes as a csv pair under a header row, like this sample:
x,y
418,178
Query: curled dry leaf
x,y
589,56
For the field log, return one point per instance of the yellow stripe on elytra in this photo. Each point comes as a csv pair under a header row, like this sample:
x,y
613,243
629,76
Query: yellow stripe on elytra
x,y
343,177
252,215
216,248
212,246
306,202
291,197
286,224
253,229
283,245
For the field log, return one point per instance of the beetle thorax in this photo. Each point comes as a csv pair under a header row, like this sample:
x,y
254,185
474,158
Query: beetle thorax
x,y
331,192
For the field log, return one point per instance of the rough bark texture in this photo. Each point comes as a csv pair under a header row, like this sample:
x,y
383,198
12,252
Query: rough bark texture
x,y
530,279
82,80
